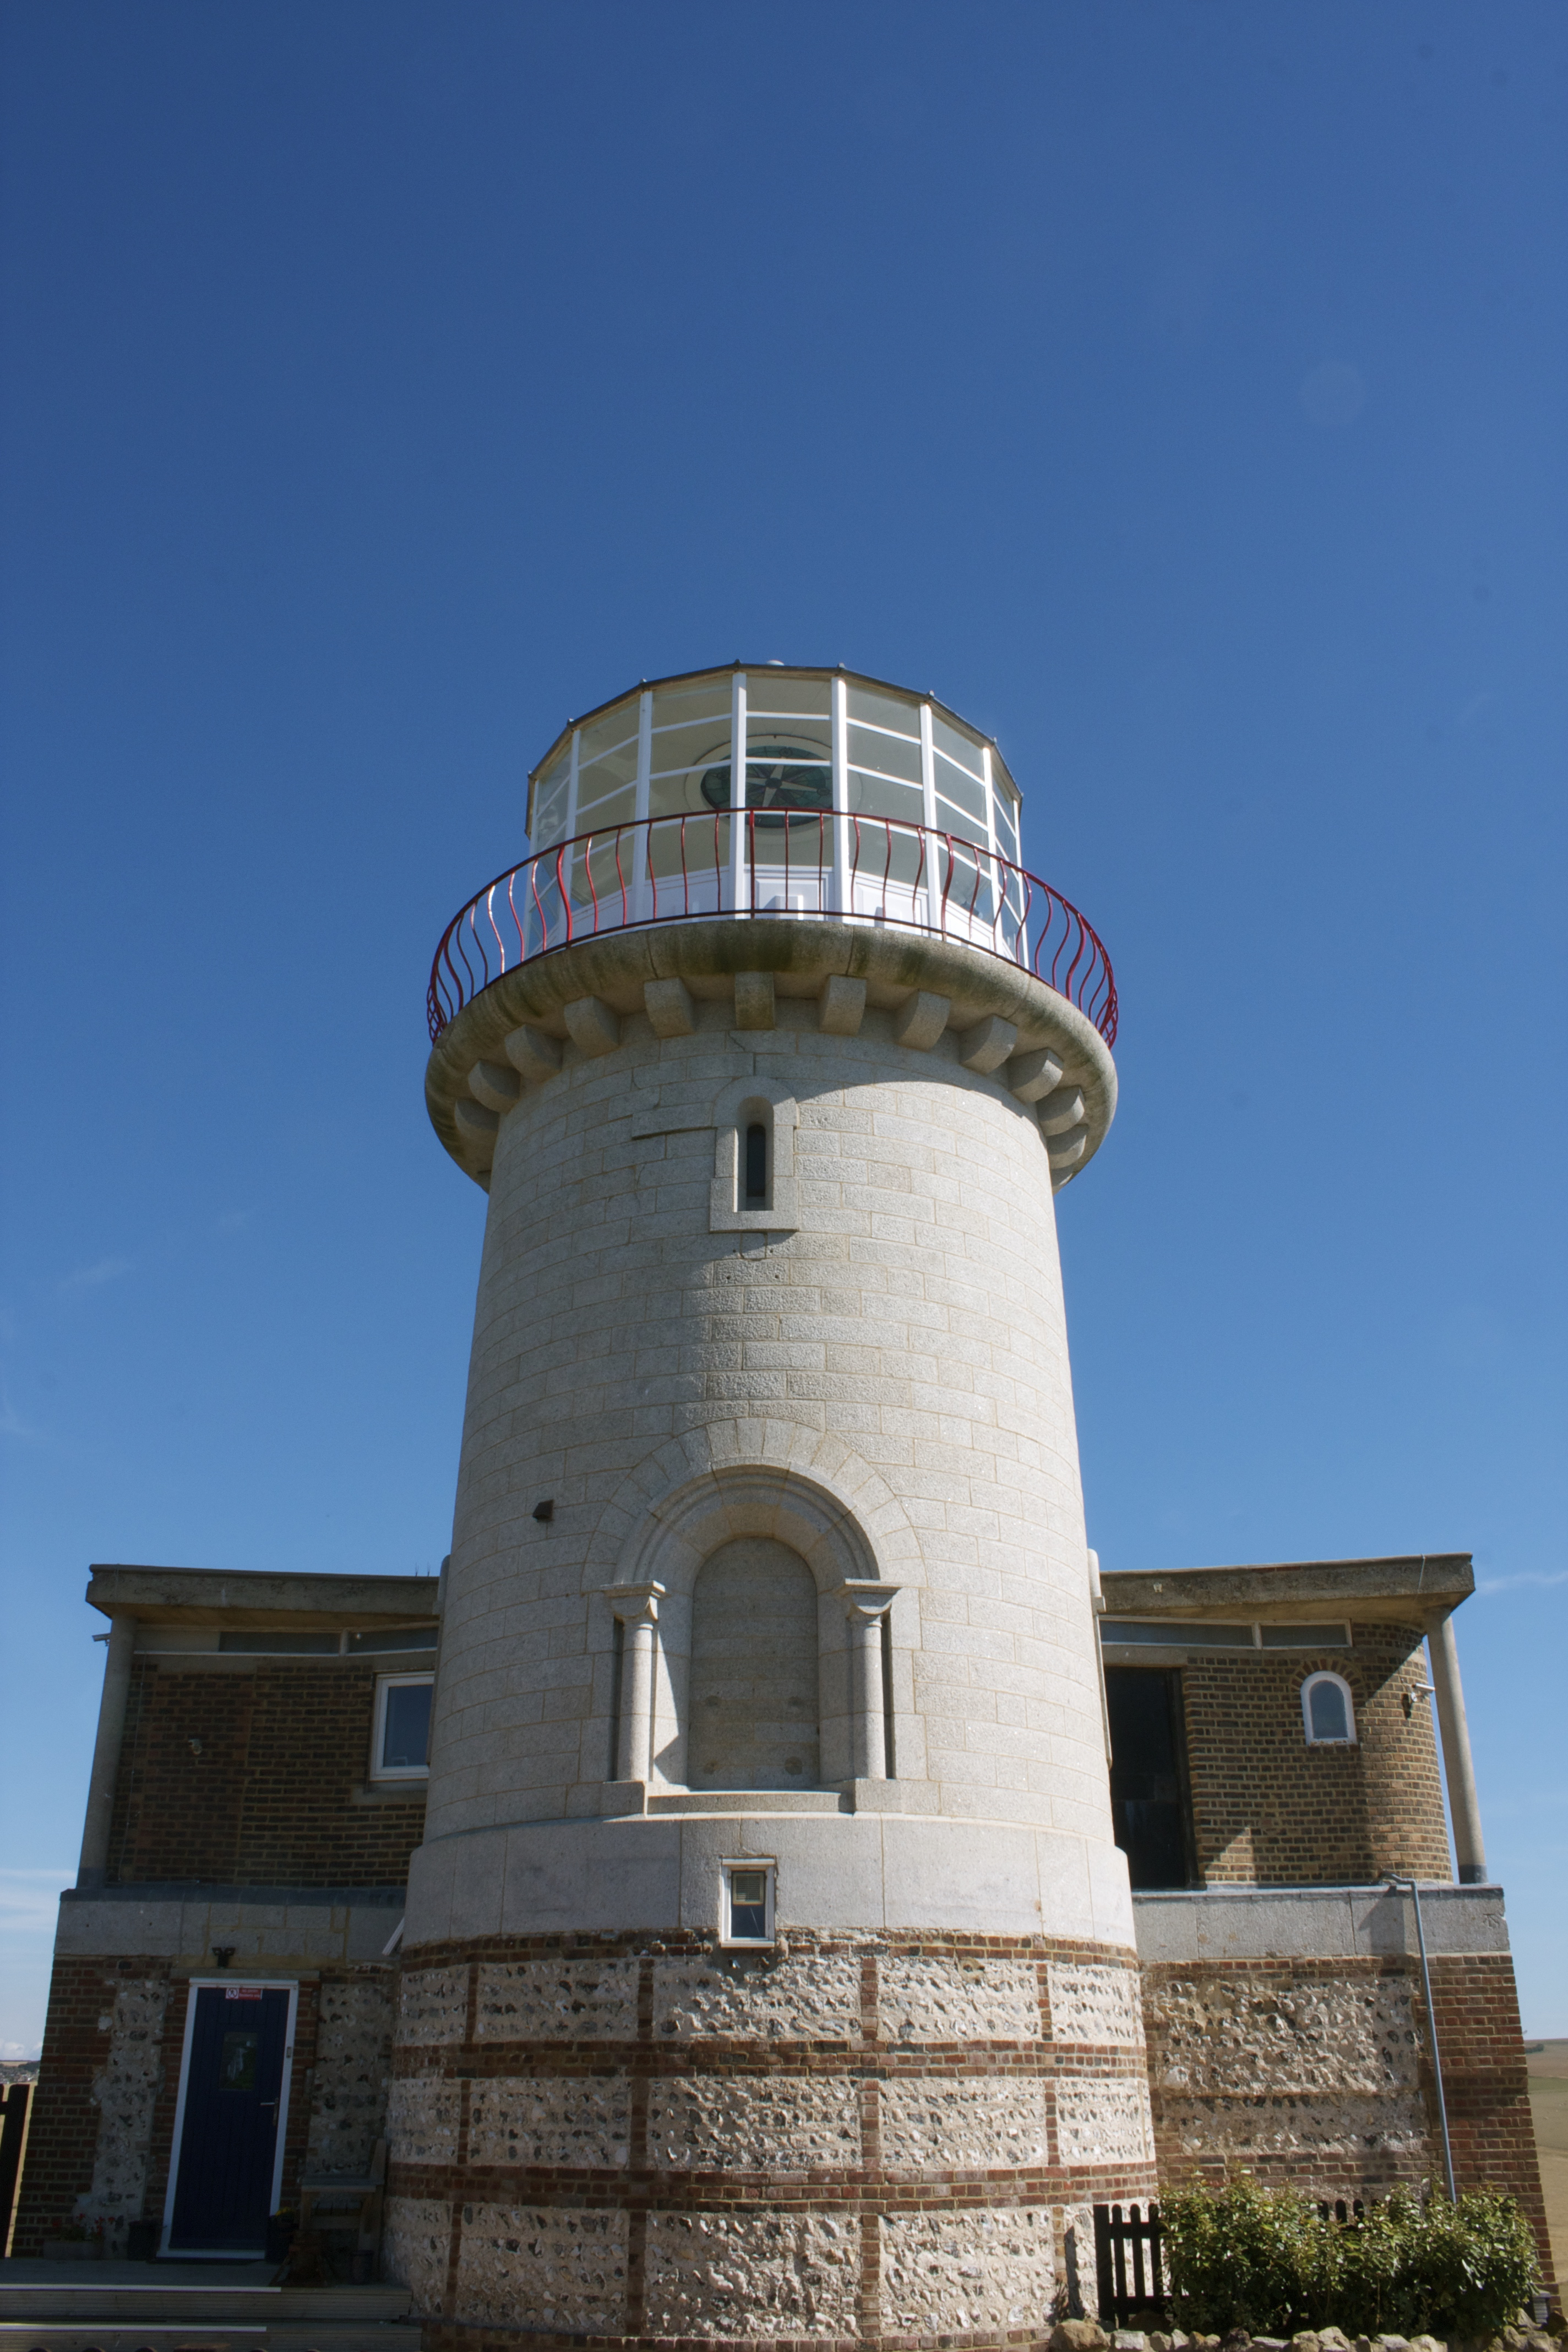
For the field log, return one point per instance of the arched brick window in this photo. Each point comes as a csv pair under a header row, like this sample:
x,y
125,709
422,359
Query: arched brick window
x,y
1327,1711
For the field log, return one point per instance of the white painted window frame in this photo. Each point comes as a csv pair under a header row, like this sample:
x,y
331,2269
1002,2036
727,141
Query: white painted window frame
x,y
1316,1739
727,1868
392,1772
232,1981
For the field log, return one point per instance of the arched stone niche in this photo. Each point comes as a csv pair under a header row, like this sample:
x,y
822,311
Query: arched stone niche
x,y
681,1600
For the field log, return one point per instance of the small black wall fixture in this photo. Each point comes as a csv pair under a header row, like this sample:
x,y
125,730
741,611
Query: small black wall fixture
x,y
545,1511
224,1953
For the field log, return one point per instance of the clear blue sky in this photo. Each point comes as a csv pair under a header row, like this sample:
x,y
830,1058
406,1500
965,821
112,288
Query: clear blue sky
x,y
1178,390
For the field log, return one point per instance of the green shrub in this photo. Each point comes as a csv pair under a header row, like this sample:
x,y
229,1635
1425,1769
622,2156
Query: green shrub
x,y
1265,2260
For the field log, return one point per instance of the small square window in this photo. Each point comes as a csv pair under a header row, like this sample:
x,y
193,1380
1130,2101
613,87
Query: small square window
x,y
748,1903
401,1747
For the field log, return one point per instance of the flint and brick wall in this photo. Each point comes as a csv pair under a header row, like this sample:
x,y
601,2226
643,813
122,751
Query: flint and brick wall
x,y
1317,2074
274,1791
102,2129
1270,1811
846,2139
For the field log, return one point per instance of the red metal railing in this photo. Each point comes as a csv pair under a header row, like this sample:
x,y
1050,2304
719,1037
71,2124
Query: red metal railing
x,y
868,869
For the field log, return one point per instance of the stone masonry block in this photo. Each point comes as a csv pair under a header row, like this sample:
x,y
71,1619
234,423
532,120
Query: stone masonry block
x,y
754,1007
474,1123
566,2267
753,2123
422,2117
987,1046
1102,2119
669,1008
557,2001
809,1997
1060,1109
775,2274
924,1999
532,1053
948,2273
1032,1076
592,1025
841,1007
414,2249
949,2122
495,1084
433,2007
921,1022
1094,2004
569,2120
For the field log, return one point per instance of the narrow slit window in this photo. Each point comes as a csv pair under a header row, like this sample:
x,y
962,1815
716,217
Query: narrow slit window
x,y
756,1165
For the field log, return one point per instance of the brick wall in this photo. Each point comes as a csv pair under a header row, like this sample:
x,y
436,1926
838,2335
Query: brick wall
x,y
1268,1810
255,1775
103,2120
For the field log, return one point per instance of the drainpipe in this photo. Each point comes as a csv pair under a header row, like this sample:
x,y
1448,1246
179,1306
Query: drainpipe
x,y
1398,1884
1458,1770
93,1867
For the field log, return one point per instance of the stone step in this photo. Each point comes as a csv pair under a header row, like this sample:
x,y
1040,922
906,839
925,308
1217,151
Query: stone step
x,y
158,2305
194,2334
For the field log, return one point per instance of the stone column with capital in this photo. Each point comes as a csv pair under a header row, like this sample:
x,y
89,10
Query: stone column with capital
x,y
635,1607
866,1605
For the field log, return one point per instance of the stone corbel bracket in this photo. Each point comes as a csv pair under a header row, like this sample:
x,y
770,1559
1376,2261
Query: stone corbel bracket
x,y
939,997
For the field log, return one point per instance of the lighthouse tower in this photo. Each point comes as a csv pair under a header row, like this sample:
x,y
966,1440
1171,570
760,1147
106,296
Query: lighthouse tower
x,y
769,1968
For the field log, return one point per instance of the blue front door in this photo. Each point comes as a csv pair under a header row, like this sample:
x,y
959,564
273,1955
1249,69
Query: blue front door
x,y
234,2087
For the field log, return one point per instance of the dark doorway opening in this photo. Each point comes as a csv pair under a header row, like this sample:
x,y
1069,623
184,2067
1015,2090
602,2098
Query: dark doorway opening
x,y
228,2137
1150,1805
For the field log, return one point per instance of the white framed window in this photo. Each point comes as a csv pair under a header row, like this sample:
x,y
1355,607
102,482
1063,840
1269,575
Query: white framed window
x,y
1327,1711
401,1746
747,1898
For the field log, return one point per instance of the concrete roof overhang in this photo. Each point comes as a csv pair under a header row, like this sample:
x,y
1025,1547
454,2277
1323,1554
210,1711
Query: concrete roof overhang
x,y
247,1597
1412,1587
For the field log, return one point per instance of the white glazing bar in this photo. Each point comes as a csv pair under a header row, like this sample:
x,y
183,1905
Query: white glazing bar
x,y
740,893
572,786
936,852
998,892
843,884
639,858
